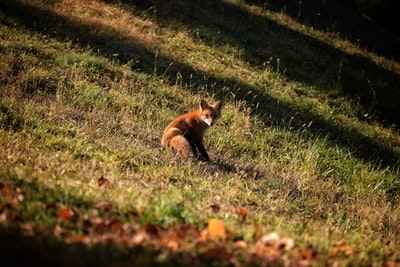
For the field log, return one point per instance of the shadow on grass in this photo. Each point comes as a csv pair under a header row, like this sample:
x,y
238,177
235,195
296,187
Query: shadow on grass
x,y
303,58
260,39
17,249
337,16
37,245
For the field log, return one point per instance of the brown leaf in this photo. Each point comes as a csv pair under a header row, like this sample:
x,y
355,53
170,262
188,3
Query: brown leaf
x,y
272,252
258,232
58,231
270,240
286,243
265,250
65,214
77,239
215,208
216,228
20,197
243,212
186,231
115,225
28,229
171,241
390,263
309,254
273,240
151,229
96,220
3,214
101,228
140,238
6,191
217,253
240,244
103,182
341,248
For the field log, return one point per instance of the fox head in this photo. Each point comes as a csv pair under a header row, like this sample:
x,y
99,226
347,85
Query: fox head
x,y
209,114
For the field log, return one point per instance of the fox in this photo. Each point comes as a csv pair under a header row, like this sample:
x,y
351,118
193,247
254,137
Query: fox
x,y
185,133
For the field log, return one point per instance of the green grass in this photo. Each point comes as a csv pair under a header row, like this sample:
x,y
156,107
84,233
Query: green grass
x,y
308,142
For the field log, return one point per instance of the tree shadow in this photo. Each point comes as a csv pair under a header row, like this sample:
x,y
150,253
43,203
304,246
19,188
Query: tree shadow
x,y
337,16
302,58
250,33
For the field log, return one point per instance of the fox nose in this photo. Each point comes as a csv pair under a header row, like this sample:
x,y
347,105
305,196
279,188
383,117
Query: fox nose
x,y
212,123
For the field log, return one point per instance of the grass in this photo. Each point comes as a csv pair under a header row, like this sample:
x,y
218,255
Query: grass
x,y
308,142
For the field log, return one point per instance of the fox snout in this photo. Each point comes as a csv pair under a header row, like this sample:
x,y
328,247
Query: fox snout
x,y
208,122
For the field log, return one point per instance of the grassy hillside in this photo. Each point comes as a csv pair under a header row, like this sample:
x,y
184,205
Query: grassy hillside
x,y
307,149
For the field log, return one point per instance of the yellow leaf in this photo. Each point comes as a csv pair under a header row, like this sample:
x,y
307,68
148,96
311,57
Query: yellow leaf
x,y
216,228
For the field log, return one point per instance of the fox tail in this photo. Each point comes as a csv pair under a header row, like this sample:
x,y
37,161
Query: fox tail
x,y
174,139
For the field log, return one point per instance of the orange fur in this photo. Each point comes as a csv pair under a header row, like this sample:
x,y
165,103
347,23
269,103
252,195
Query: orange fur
x,y
185,133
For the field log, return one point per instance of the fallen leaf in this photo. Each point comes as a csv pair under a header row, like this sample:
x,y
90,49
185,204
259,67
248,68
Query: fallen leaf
x,y
151,229
20,197
390,264
171,241
286,243
258,232
65,214
216,228
240,244
115,225
6,192
274,241
28,229
215,208
271,252
309,254
216,253
140,238
96,220
269,240
77,239
103,181
58,230
243,212
3,214
341,248
187,231
101,228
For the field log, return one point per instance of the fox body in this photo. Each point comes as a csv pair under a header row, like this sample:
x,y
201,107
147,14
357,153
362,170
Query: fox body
x,y
185,133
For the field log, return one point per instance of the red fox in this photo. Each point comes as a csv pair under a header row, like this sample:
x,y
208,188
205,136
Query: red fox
x,y
185,133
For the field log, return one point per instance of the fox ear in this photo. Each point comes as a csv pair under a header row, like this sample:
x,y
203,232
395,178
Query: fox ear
x,y
218,105
203,104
